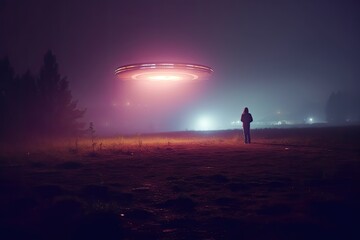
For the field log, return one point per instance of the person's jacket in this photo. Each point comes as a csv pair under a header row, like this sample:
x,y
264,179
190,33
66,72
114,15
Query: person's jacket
x,y
246,119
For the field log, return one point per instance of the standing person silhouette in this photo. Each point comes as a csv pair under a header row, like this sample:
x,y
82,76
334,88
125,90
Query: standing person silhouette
x,y
246,119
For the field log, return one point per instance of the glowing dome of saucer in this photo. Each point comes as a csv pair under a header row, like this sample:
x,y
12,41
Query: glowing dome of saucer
x,y
163,72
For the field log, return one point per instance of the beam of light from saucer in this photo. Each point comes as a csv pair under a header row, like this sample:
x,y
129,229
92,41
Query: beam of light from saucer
x,y
163,72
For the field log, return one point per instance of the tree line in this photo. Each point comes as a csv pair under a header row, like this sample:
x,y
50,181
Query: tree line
x,y
342,108
38,105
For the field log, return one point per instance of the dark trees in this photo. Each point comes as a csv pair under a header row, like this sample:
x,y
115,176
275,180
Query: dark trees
x,y
59,114
6,95
337,108
37,105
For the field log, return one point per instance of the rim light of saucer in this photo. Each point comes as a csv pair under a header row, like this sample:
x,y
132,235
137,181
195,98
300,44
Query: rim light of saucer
x,y
163,72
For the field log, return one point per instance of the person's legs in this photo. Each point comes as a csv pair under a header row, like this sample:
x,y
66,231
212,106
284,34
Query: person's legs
x,y
246,135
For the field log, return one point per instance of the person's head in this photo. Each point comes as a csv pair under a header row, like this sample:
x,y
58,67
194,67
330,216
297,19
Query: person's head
x,y
246,110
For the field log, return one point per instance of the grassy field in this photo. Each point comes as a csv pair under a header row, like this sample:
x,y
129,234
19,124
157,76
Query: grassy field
x,y
287,184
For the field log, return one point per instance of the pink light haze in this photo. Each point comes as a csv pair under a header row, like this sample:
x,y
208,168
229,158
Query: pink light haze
x,y
151,95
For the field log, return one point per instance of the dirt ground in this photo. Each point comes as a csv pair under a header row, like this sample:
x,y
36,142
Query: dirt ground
x,y
287,184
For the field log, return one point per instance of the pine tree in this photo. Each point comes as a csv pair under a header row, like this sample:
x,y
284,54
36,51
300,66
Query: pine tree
x,y
58,111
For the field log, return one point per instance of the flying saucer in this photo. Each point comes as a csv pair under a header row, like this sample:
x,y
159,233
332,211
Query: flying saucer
x,y
164,72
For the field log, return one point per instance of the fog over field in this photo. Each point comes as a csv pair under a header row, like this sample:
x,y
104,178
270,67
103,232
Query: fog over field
x,y
282,59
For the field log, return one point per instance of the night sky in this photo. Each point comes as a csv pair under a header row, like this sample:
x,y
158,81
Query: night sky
x,y
280,58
